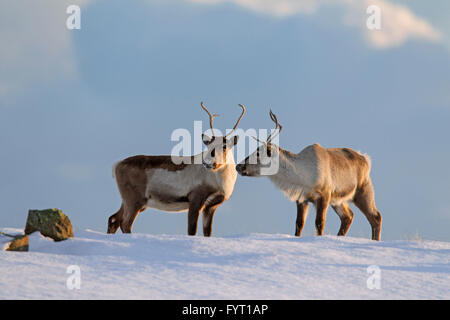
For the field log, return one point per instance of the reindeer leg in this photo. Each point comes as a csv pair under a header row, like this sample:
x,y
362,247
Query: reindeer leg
x,y
195,205
321,212
130,214
208,213
346,215
302,213
365,201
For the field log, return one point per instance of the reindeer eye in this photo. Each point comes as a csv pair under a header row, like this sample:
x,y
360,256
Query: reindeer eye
x,y
213,153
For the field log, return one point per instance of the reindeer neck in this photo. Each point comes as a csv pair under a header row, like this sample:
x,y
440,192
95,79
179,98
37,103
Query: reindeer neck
x,y
288,178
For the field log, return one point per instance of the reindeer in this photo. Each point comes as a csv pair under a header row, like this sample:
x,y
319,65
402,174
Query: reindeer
x,y
177,183
321,176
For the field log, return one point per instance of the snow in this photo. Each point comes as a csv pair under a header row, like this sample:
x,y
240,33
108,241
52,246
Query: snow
x,y
254,266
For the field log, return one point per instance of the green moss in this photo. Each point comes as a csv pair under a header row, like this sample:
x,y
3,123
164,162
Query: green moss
x,y
51,223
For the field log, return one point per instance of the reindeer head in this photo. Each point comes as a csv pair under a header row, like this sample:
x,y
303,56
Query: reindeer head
x,y
219,150
265,158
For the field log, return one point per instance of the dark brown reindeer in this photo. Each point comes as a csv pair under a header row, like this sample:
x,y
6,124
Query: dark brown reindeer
x,y
176,183
321,176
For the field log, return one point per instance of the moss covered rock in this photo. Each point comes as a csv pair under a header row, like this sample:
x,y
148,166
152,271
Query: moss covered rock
x,y
51,223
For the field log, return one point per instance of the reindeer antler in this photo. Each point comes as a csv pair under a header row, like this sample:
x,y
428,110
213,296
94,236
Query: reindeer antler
x,y
211,117
277,126
239,120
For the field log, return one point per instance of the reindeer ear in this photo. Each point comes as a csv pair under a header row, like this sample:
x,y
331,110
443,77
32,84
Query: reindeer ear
x,y
235,140
269,150
207,139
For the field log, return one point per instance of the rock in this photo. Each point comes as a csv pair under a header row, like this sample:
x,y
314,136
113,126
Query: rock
x,y
17,242
51,223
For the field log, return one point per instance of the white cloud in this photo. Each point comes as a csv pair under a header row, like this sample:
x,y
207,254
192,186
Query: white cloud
x,y
36,45
279,8
398,24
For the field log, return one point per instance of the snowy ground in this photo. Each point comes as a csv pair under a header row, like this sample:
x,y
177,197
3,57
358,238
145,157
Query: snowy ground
x,y
255,266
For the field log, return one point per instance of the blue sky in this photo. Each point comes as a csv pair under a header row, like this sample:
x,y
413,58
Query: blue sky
x,y
73,102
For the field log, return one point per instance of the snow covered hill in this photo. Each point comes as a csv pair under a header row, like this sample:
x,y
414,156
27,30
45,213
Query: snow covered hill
x,y
255,266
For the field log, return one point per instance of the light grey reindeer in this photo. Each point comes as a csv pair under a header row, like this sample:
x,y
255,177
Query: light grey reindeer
x,y
321,176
